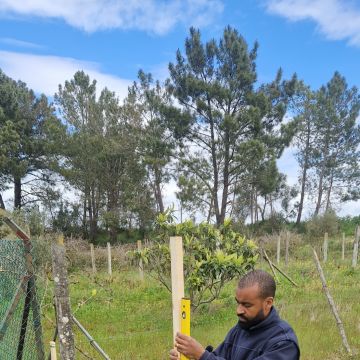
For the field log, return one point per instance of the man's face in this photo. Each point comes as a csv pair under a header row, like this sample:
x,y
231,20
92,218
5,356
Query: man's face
x,y
251,307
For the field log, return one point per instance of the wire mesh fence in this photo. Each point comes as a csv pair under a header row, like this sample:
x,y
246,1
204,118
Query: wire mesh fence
x,y
21,335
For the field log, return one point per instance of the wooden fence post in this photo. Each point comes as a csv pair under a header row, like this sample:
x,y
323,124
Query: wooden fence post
x,y
287,240
177,280
278,250
62,301
325,247
53,350
93,264
331,303
109,258
356,246
141,270
343,247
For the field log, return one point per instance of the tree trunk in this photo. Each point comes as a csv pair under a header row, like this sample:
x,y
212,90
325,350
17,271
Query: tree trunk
x,y
210,211
112,209
252,205
85,209
304,174
17,192
321,180
329,194
256,206
225,192
318,203
157,190
262,211
92,216
302,195
90,212
2,205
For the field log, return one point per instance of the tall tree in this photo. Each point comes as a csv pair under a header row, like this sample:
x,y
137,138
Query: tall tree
x,y
215,84
102,154
152,101
123,171
26,124
304,139
78,107
336,156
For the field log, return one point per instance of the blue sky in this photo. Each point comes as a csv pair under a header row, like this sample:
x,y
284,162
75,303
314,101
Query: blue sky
x,y
45,42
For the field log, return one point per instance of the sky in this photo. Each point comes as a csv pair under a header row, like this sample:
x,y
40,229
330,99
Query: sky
x,y
43,42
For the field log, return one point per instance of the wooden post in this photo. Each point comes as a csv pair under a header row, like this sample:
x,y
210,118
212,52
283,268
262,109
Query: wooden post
x,y
62,301
356,246
287,240
141,270
53,350
285,275
271,265
109,258
331,303
343,247
325,247
278,250
177,280
93,264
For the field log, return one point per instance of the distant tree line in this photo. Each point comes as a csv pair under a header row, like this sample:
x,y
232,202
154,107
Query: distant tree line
x,y
210,127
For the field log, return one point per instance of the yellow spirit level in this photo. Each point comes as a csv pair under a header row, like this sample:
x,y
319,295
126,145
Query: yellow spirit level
x,y
185,320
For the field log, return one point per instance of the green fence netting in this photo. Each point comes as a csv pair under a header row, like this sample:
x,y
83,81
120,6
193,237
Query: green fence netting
x,y
20,320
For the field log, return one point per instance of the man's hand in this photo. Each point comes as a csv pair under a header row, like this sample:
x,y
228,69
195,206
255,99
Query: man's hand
x,y
187,346
174,355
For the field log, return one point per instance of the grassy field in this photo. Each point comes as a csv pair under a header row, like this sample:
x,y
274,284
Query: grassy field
x,y
131,319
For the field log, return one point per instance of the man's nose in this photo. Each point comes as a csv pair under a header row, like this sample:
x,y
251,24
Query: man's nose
x,y
240,310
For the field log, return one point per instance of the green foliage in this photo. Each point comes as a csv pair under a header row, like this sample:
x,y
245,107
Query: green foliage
x,y
67,220
348,224
274,224
151,101
31,220
327,141
123,236
236,131
4,230
28,129
102,157
212,256
319,225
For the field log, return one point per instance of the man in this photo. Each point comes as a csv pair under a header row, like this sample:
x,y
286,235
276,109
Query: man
x,y
259,334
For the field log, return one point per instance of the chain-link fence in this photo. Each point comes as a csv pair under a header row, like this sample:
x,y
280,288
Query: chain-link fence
x,y
21,335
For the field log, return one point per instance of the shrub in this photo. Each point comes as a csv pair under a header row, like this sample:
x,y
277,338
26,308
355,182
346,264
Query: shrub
x,y
348,224
318,225
212,256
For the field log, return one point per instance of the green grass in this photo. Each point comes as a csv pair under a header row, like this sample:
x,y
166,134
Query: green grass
x,y
133,320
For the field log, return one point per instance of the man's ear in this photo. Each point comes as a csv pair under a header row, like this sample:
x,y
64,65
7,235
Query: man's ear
x,y
269,301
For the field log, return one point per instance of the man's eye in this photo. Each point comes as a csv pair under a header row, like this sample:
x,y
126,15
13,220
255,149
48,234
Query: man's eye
x,y
248,305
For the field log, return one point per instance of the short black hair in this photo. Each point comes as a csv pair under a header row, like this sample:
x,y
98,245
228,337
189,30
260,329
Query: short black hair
x,y
265,281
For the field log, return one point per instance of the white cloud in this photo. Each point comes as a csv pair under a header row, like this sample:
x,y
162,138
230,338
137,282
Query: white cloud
x,y
20,43
336,19
43,74
158,16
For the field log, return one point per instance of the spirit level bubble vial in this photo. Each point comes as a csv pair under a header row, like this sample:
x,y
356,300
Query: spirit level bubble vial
x,y
185,320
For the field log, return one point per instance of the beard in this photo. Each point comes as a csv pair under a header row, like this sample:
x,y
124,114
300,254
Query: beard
x,y
246,323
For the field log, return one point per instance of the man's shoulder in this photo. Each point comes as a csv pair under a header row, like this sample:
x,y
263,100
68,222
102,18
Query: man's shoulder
x,y
282,337
283,332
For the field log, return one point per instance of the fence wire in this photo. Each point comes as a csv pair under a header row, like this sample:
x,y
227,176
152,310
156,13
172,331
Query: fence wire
x,y
21,336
